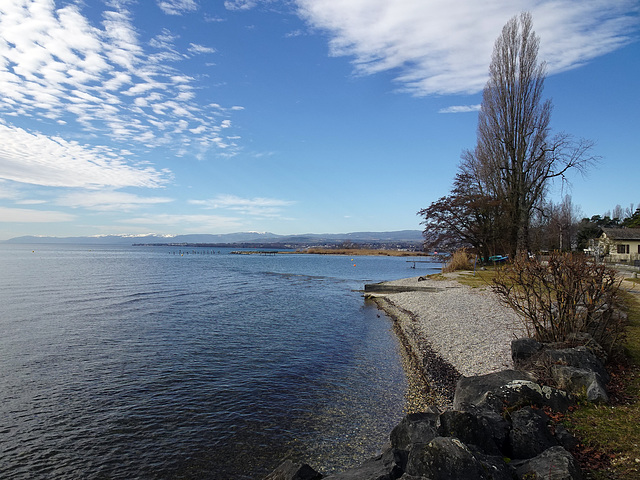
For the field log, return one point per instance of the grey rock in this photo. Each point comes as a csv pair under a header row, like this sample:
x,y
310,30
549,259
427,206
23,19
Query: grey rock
x,y
288,470
580,381
384,467
529,435
520,393
524,350
472,390
469,429
552,464
444,458
493,422
597,393
495,466
415,428
579,357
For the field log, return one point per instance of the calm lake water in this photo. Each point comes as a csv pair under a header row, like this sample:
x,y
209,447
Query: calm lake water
x,y
140,362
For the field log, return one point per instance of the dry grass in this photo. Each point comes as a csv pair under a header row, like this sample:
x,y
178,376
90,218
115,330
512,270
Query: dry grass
x,y
460,260
360,251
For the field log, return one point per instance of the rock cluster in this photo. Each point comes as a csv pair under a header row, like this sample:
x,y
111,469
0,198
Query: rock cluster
x,y
497,429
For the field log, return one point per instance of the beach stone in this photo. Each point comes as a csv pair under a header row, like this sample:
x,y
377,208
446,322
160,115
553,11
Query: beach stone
x,y
288,470
473,390
552,464
415,428
524,349
529,435
444,458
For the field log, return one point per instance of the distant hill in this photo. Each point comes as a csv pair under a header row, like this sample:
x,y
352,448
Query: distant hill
x,y
258,238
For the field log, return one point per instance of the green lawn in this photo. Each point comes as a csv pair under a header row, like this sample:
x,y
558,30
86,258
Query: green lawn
x,y
610,434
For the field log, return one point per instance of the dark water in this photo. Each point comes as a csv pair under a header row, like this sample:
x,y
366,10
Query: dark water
x,y
141,363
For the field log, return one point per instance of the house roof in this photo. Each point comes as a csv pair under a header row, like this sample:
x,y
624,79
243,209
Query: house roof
x,y
622,233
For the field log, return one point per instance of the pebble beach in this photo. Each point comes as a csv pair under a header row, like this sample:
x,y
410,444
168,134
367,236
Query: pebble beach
x,y
463,330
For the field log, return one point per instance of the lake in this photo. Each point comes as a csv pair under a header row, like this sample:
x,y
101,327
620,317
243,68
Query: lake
x,y
184,363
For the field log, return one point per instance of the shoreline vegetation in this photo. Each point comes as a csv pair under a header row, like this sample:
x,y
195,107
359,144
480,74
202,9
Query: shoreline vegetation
x,y
608,435
339,251
361,252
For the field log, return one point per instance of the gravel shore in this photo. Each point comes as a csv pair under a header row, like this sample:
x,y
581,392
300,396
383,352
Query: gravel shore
x,y
467,328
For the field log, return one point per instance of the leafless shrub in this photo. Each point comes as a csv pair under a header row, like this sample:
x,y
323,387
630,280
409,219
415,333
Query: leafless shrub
x,y
562,297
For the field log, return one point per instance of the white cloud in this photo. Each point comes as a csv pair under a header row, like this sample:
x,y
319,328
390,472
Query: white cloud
x,y
258,206
195,48
108,200
460,109
177,7
440,47
26,215
240,4
36,159
56,65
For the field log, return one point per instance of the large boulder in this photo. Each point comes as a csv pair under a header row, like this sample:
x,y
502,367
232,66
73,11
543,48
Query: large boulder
x,y
473,390
524,350
288,470
529,435
508,389
519,393
580,381
578,357
552,464
444,458
470,429
415,428
388,466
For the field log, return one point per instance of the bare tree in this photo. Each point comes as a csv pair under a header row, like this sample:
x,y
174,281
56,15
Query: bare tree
x,y
467,217
514,154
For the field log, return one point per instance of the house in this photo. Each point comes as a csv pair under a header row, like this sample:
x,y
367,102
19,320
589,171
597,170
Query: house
x,y
620,244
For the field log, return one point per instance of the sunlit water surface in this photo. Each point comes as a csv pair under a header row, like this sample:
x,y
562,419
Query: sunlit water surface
x,y
146,362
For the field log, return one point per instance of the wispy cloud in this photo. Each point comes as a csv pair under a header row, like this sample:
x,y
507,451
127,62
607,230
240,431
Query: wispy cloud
x,y
195,48
259,207
241,4
108,200
433,47
36,159
27,215
460,109
55,65
177,7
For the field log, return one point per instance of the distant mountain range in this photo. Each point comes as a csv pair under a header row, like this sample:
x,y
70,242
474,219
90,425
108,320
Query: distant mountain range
x,y
248,238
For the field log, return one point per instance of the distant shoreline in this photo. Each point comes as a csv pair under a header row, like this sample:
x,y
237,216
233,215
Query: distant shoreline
x,y
360,251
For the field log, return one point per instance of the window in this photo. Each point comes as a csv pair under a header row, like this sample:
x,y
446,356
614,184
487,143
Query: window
x,y
623,248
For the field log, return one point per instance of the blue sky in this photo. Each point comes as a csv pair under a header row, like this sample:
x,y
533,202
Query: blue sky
x,y
287,116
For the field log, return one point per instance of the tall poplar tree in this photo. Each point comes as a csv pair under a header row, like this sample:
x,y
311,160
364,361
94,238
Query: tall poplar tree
x,y
514,154
504,179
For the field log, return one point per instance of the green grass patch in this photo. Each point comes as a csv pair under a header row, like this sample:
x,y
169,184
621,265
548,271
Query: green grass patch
x,y
612,432
479,278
